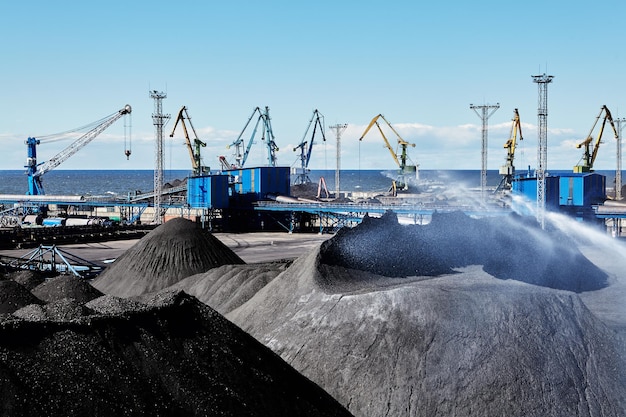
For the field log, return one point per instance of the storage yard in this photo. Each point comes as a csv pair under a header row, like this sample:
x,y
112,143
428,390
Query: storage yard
x,y
252,291
430,328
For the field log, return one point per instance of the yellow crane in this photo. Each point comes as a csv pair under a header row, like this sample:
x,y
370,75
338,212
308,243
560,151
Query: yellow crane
x,y
400,160
194,151
508,169
589,154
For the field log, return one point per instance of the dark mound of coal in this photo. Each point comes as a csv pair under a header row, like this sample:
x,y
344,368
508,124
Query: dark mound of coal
x,y
14,296
64,287
176,358
28,278
64,310
509,247
175,250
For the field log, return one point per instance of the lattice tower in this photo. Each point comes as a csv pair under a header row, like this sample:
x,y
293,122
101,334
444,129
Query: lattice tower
x,y
338,128
542,145
619,124
485,113
159,120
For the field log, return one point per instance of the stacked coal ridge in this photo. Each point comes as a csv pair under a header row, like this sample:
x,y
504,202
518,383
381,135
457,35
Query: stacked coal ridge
x,y
508,247
68,350
173,251
461,317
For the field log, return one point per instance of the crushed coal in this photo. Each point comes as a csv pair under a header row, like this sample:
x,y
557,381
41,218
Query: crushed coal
x,y
508,247
66,287
175,250
227,287
28,278
173,356
14,296
476,339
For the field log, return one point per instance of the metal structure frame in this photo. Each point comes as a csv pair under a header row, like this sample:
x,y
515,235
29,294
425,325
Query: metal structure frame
x,y
51,258
159,120
542,82
619,125
338,129
486,111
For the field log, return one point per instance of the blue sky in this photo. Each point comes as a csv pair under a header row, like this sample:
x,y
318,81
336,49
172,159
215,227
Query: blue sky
x,y
421,64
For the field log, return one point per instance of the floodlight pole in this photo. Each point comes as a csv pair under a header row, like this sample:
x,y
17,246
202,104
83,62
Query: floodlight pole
x,y
542,145
338,128
485,113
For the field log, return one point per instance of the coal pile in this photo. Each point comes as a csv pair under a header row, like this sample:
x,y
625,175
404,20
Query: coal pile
x,y
175,250
168,356
14,296
227,287
510,247
478,333
66,287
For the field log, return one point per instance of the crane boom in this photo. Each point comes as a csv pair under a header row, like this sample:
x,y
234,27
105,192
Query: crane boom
x,y
241,155
194,151
589,155
508,169
402,162
35,171
305,151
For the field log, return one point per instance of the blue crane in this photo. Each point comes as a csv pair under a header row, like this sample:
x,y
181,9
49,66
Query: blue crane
x,y
36,170
302,173
241,154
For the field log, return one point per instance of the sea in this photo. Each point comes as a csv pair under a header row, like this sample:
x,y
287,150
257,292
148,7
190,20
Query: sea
x,y
119,183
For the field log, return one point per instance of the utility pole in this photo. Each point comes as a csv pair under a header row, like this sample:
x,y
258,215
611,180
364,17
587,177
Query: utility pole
x,y
485,113
619,124
338,128
158,120
542,145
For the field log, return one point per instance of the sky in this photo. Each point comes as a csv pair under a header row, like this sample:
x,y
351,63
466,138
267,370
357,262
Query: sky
x,y
421,64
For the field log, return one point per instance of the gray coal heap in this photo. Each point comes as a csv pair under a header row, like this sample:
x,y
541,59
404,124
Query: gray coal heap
x,y
173,251
508,247
480,339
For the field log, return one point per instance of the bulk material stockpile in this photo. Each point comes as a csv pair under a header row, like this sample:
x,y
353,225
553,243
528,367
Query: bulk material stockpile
x,y
175,250
168,355
460,317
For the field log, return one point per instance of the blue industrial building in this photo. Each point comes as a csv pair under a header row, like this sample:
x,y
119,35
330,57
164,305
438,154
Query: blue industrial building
x,y
570,193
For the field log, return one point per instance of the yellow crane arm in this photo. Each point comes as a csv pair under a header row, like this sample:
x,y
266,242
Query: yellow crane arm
x,y
401,141
388,146
515,128
181,118
589,156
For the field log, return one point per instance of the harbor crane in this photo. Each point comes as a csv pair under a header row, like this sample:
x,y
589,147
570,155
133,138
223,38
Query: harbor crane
x,y
36,170
194,150
241,153
589,154
400,160
508,169
306,147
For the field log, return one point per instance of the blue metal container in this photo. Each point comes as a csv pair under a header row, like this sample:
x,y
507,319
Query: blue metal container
x,y
208,191
526,187
257,183
583,190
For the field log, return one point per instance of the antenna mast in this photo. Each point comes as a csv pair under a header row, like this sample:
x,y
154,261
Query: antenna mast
x,y
542,145
619,124
158,120
338,128
486,111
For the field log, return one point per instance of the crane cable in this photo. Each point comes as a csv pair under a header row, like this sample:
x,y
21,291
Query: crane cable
x,y
55,137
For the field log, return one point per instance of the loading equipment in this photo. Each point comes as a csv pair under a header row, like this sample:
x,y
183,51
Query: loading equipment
x,y
194,151
589,155
36,171
306,147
